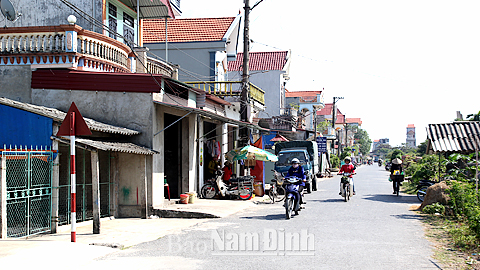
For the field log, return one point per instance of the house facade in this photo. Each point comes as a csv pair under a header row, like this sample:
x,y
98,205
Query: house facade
x,y
268,71
48,64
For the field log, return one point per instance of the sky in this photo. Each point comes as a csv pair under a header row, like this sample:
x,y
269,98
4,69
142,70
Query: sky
x,y
394,62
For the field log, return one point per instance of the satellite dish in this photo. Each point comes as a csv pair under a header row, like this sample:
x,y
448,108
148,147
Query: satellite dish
x,y
8,10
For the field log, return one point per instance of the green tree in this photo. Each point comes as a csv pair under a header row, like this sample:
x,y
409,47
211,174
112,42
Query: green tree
x,y
474,117
323,126
362,138
422,148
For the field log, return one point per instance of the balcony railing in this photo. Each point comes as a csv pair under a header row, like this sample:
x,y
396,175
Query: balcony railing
x,y
156,66
233,88
67,46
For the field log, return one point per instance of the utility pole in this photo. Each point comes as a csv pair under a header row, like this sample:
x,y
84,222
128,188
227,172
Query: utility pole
x,y
245,101
334,118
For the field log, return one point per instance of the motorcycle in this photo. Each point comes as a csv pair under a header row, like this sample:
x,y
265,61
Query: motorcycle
x,y
379,163
388,165
239,187
346,186
422,188
292,198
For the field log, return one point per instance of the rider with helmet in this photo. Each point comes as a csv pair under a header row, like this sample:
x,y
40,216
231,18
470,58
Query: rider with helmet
x,y
297,171
347,168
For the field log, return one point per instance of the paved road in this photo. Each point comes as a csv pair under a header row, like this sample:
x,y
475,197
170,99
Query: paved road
x,y
375,230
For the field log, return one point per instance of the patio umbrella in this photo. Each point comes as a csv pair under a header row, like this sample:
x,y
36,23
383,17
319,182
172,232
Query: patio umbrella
x,y
253,153
279,138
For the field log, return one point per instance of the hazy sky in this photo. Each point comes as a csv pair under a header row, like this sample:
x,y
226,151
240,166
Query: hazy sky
x,y
395,62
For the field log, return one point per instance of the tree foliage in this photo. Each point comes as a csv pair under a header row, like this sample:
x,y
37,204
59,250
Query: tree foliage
x,y
362,138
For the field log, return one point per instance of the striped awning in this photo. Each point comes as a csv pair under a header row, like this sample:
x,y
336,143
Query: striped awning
x,y
460,137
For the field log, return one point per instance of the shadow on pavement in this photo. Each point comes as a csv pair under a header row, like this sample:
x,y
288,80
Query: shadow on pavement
x,y
390,198
408,216
267,217
327,200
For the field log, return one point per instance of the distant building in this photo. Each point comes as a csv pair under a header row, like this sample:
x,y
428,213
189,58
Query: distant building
x,y
379,142
411,141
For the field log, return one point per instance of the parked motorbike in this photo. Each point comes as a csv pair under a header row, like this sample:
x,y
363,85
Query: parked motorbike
x,y
239,187
422,188
346,186
379,163
292,198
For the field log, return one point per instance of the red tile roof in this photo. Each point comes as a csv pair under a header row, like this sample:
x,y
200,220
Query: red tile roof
x,y
410,126
354,121
327,110
186,30
260,61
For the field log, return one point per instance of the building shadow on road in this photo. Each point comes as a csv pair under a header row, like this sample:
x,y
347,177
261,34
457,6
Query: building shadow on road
x,y
390,198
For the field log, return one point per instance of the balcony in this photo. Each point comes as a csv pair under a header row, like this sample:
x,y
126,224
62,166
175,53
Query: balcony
x,y
63,46
225,89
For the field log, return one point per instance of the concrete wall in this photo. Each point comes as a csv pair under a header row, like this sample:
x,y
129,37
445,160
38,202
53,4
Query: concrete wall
x,y
196,57
54,12
130,110
49,12
15,83
130,185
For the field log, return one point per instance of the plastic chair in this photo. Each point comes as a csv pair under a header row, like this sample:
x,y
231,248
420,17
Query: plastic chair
x,y
165,185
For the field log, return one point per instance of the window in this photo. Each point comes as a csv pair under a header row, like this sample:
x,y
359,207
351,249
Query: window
x,y
128,32
112,20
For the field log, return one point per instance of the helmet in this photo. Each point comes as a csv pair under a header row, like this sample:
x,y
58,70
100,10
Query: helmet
x,y
347,158
295,160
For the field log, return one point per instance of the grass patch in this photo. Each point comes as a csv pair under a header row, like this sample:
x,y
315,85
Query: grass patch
x,y
456,245
408,188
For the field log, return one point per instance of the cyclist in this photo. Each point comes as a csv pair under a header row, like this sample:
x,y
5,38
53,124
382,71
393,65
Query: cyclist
x,y
347,168
396,169
297,170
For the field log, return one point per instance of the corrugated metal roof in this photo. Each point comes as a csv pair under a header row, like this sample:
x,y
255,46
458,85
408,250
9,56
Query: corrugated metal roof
x,y
454,137
123,147
260,61
151,9
58,116
186,30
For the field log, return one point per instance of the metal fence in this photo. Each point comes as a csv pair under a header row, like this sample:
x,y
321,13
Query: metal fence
x,y
84,203
29,191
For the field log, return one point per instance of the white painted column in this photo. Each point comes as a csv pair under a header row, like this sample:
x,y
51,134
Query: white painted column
x,y
55,183
95,191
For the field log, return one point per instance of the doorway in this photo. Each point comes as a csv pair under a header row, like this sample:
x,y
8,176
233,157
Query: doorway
x,y
173,154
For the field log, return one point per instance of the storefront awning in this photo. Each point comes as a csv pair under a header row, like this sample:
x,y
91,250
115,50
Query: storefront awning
x,y
213,116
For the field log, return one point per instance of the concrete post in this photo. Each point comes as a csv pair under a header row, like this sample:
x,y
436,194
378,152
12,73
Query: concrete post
x,y
3,197
142,59
55,183
146,188
95,192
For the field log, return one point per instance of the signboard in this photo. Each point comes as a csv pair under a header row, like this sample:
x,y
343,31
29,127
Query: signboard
x,y
322,144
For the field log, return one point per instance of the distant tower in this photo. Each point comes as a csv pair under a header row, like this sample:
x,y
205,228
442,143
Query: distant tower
x,y
411,141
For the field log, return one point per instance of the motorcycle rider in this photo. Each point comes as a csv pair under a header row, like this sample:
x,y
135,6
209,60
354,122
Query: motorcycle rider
x,y
297,170
347,168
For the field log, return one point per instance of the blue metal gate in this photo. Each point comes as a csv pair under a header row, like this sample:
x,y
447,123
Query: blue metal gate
x,y
29,191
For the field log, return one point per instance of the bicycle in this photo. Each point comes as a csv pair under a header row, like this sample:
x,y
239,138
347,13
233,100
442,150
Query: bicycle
x,y
276,191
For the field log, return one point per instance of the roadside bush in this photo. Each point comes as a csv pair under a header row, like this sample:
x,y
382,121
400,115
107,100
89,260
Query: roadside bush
x,y
434,208
464,202
335,161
